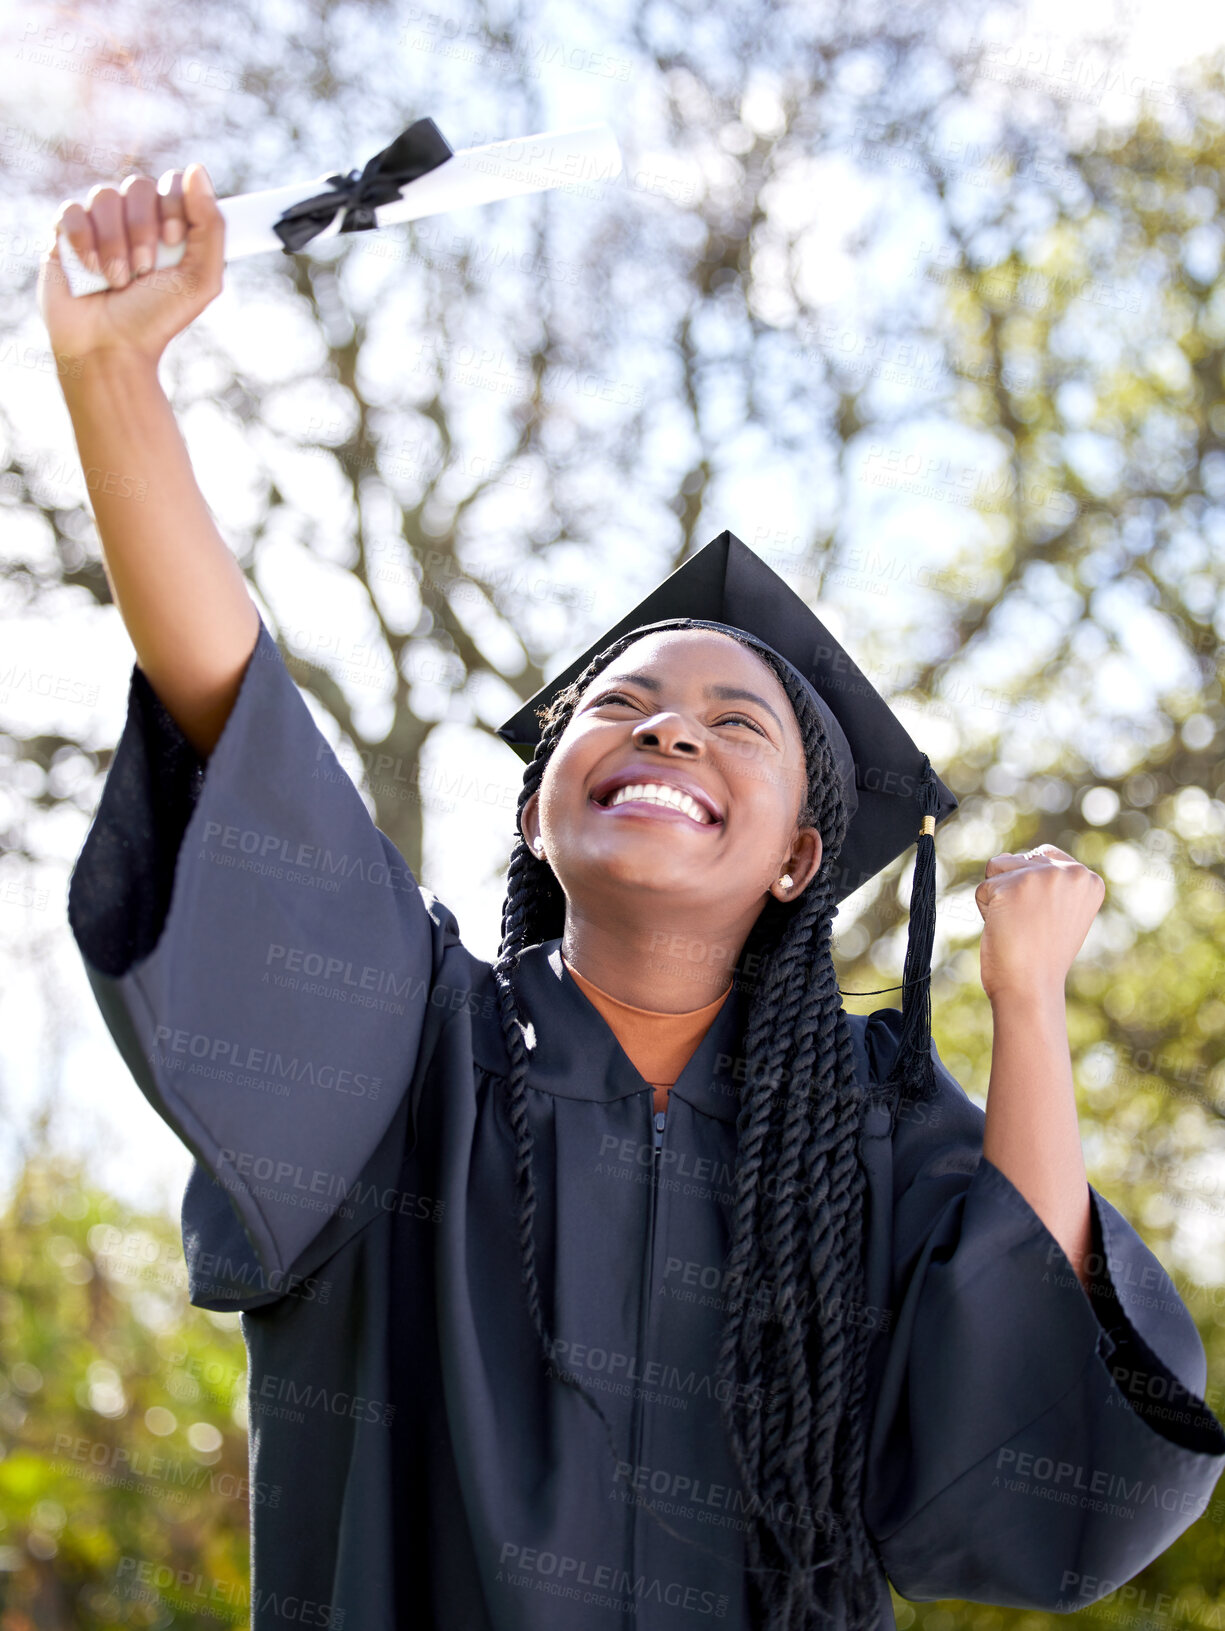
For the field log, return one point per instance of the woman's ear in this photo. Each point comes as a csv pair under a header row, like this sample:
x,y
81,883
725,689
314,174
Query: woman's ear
x,y
529,823
800,866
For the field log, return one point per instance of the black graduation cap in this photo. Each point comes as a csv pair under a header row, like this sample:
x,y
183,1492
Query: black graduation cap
x,y
894,797
881,766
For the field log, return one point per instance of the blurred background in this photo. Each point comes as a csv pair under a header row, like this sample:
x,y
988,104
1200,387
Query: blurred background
x,y
924,302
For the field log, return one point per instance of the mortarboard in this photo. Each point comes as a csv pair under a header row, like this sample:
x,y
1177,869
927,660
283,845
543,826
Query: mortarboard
x,y
881,767
894,797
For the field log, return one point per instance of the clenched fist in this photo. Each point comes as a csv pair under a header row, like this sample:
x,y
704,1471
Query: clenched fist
x,y
1037,909
117,232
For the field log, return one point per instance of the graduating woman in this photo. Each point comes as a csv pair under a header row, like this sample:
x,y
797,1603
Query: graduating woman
x,y
627,1280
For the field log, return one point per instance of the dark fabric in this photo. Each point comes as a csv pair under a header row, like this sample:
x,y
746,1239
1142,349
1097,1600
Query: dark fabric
x,y
310,1023
151,788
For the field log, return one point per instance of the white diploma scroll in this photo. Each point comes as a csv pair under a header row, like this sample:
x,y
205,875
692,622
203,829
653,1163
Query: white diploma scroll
x,y
574,159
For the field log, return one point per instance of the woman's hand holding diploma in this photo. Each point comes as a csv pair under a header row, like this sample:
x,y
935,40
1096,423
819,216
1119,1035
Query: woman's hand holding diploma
x,y
1037,909
181,593
118,235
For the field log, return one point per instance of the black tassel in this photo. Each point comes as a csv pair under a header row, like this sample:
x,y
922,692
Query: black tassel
x,y
912,1071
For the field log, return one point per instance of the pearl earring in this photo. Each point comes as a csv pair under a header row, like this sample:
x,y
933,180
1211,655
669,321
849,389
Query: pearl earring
x,y
538,849
786,880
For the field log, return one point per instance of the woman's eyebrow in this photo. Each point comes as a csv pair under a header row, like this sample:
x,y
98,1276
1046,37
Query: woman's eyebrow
x,y
731,693
725,693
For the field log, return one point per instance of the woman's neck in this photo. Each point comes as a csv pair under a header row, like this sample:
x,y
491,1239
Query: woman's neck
x,y
665,971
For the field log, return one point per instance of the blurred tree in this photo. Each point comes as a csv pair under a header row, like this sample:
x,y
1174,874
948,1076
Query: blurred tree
x,y
438,434
1090,360
944,351
123,1456
1087,365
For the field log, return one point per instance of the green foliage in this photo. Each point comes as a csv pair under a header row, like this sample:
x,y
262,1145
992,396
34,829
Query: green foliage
x,y
1086,360
1093,357
123,1454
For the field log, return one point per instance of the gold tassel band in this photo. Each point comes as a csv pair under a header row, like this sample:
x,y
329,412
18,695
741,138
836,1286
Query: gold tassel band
x,y
927,825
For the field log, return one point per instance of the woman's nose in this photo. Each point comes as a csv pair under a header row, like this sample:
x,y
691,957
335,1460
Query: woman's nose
x,y
670,732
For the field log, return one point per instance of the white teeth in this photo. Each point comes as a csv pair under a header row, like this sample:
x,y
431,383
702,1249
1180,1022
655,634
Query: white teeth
x,y
655,793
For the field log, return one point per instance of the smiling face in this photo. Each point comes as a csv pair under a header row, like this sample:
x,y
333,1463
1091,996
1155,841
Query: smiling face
x,y
679,782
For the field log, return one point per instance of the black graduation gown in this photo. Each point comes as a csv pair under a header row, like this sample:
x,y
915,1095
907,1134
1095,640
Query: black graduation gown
x,y
309,1022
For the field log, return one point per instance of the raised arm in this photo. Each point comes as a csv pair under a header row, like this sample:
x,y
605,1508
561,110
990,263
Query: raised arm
x,y
1037,909
260,951
179,590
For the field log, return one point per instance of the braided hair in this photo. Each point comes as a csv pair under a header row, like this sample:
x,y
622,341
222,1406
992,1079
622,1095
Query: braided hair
x,y
792,1360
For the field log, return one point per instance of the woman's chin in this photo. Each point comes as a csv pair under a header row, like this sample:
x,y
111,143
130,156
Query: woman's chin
x,y
648,871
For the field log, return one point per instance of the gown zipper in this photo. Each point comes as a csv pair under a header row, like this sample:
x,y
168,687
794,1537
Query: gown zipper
x,y
658,1119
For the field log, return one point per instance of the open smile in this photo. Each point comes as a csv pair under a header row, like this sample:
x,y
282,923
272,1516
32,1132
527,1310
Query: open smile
x,y
657,801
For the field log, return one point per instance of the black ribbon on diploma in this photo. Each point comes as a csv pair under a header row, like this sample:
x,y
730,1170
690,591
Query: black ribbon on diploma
x,y
415,151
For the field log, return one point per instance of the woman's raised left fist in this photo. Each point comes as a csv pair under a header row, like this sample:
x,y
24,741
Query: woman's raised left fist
x,y
1037,908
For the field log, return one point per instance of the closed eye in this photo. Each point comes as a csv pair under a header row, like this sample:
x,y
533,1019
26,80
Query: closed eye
x,y
614,696
724,719
742,719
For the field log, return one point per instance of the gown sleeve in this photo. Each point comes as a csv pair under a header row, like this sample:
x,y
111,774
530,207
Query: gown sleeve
x,y
263,959
1033,1445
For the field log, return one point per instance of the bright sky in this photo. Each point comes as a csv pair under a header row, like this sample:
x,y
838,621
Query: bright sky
x,y
106,1116
1159,36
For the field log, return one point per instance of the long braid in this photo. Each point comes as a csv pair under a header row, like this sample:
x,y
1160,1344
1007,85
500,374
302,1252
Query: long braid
x,y
802,1088
524,886
792,1359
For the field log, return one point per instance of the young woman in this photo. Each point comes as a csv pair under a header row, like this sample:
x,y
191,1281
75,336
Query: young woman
x,y
627,1280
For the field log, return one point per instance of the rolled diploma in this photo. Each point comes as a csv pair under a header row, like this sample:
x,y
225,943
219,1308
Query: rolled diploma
x,y
472,175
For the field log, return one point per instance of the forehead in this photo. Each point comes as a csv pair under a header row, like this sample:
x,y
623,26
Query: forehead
x,y
695,658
